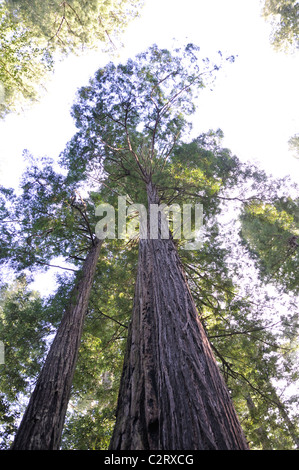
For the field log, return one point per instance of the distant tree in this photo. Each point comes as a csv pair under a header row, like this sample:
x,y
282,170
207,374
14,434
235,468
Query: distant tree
x,y
24,328
53,219
271,234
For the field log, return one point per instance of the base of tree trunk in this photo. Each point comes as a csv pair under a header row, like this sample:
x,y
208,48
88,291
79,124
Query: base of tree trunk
x,y
172,395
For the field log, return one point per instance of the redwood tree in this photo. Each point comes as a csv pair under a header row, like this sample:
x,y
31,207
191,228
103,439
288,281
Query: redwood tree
x,y
43,420
53,219
130,119
172,395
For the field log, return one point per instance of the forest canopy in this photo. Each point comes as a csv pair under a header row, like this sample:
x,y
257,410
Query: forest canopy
x,y
143,344
130,120
35,35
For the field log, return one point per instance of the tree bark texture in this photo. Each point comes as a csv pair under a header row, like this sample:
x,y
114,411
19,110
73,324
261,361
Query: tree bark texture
x,y
43,420
172,395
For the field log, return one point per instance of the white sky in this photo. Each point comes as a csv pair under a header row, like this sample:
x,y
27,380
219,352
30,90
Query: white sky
x,y
255,101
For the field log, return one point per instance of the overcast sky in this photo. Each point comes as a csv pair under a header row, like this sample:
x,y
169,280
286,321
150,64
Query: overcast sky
x,y
255,101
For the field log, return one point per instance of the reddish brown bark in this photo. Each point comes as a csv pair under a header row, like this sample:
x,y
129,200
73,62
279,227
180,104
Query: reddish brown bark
x,y
42,423
172,395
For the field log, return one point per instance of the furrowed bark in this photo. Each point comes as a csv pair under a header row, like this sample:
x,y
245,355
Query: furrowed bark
x,y
42,423
172,395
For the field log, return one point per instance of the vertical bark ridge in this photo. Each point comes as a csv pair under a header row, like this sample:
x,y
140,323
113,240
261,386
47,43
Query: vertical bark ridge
x,y
42,423
169,368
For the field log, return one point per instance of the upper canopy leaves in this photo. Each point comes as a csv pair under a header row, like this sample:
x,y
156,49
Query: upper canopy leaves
x,y
284,16
33,33
271,232
135,113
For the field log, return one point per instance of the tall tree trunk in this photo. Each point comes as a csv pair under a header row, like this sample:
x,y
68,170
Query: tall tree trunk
x,y
172,395
42,423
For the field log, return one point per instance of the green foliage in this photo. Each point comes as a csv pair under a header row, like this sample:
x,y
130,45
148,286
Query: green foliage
x,y
271,233
33,35
135,113
51,219
91,417
132,124
284,16
68,26
6,222
24,63
24,328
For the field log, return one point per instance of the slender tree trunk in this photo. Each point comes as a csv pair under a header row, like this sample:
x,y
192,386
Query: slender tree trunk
x,y
260,431
42,423
293,432
172,395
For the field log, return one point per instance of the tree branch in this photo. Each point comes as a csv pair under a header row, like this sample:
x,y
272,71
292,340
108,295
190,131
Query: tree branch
x,y
54,266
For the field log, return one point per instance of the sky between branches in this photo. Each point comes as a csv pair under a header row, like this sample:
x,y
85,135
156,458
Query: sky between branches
x,y
255,101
